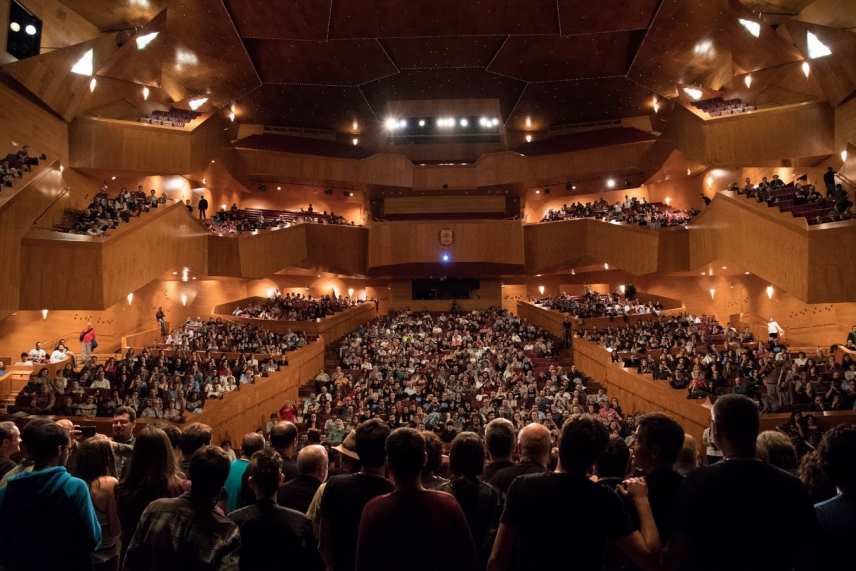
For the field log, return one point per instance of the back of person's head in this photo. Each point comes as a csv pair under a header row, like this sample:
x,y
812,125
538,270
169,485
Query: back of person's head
x,y
536,442
371,442
28,434
94,459
312,460
466,456
172,432
776,448
152,468
252,443
663,436
7,429
282,435
814,478
47,441
837,453
583,440
405,452
736,420
265,470
209,468
688,458
434,448
194,437
499,436
615,460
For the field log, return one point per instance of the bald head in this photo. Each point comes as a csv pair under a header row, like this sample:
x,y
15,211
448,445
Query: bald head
x,y
688,458
69,427
312,461
535,444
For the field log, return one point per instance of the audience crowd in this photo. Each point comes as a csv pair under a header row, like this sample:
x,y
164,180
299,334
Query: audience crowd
x,y
14,165
296,307
237,221
629,211
593,304
105,213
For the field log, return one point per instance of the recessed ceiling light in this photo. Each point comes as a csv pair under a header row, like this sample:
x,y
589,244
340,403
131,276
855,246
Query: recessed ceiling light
x,y
15,27
753,27
694,93
84,64
143,41
816,48
30,29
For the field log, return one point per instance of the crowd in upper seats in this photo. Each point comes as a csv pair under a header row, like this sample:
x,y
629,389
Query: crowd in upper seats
x,y
629,211
218,335
105,213
836,197
593,304
14,165
237,221
296,307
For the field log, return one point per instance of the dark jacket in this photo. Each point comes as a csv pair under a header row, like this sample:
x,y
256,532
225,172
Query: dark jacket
x,y
297,494
482,505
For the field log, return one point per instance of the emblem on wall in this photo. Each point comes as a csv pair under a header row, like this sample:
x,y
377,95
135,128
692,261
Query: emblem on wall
x,y
446,236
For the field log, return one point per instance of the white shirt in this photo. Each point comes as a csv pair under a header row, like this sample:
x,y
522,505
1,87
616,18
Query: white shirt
x,y
773,327
57,356
37,354
711,449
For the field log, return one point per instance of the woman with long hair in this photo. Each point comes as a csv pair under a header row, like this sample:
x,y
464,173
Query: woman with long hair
x,y
152,474
96,466
481,503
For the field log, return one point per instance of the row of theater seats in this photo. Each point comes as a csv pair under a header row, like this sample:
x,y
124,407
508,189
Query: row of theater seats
x,y
814,213
238,221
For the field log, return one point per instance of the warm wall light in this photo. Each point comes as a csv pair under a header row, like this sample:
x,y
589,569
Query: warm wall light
x,y
145,93
694,93
606,266
770,292
222,207
712,291
356,141
232,116
748,81
44,314
528,121
709,181
183,299
270,292
621,287
528,138
668,201
92,85
541,289
844,156
130,298
350,292
816,48
806,68
197,103
143,41
61,168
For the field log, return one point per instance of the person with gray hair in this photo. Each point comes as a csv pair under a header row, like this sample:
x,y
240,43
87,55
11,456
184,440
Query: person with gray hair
x,y
312,465
499,437
535,444
10,443
775,448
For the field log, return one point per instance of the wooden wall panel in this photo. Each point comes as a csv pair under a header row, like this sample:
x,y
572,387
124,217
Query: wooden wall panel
x,y
444,205
340,249
270,251
491,241
609,242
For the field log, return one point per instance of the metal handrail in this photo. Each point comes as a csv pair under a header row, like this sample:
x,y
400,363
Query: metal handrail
x,y
62,193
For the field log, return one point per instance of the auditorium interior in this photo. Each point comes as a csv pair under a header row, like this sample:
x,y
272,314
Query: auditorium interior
x,y
356,159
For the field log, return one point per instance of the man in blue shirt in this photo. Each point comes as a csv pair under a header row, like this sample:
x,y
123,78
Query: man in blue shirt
x,y
252,443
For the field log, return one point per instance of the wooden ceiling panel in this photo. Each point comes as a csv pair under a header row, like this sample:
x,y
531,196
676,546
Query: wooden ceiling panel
x,y
349,62
833,13
835,73
585,17
417,53
443,84
206,55
281,19
112,15
432,18
581,101
140,66
574,57
780,85
305,106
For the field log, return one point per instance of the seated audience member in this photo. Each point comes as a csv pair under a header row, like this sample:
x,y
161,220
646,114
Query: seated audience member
x,y
481,503
728,495
499,439
10,444
535,444
251,443
389,522
777,449
312,466
188,532
536,498
47,494
38,355
837,516
345,497
269,531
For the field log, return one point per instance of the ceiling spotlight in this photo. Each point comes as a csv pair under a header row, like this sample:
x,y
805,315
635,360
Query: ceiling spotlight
x,y
694,93
30,29
422,122
145,93
528,121
844,156
391,124
528,138
143,41
610,183
495,121
354,126
402,123
15,27
355,141
197,103
464,123
537,192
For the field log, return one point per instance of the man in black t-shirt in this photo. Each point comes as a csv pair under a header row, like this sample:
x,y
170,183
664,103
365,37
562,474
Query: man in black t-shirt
x,y
829,181
741,514
592,517
499,442
345,497
536,443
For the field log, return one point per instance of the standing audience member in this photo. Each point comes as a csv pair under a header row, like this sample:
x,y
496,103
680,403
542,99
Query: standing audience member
x,y
750,499
33,501
499,437
124,422
97,468
188,532
481,503
203,208
535,443
27,436
389,522
269,531
536,498
837,516
194,437
10,443
252,443
87,336
160,315
312,465
283,439
345,497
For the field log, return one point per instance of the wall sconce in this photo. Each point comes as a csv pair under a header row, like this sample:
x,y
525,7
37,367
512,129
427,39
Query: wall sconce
x,y
183,299
270,292
606,266
770,292
130,298
350,292
540,288
621,287
668,201
712,291
44,314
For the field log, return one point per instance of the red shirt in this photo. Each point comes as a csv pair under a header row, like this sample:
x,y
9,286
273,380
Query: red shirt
x,y
88,337
393,523
288,413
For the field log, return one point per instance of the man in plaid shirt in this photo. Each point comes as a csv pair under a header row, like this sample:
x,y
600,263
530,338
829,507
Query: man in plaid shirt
x,y
189,532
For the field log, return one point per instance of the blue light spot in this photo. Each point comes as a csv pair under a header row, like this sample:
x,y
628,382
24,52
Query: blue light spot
x,y
445,257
